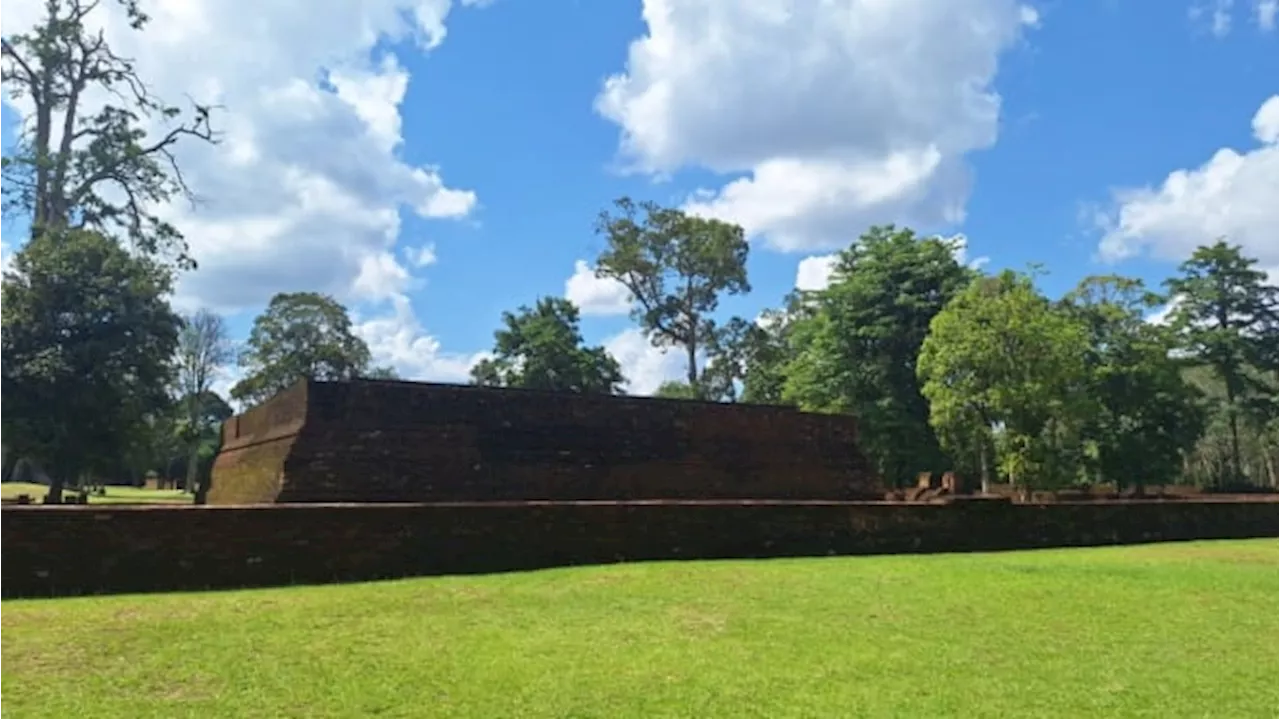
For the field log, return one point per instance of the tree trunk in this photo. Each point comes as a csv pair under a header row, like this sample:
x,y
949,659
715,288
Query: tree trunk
x,y
7,466
194,484
983,468
691,347
1233,425
56,483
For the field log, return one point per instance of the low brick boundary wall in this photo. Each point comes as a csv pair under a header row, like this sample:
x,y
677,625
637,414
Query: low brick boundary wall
x,y
101,549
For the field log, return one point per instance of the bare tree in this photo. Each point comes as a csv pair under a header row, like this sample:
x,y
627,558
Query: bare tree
x,y
203,347
99,170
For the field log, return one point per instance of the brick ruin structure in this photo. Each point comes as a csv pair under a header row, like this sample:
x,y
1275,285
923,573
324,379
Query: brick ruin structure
x,y
381,441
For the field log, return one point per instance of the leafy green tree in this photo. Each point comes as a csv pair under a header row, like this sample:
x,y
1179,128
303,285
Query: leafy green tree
x,y
70,168
203,348
157,445
1147,416
1003,368
382,373
198,425
676,267
87,338
542,348
1225,316
727,351
768,352
856,352
301,335
747,360
676,390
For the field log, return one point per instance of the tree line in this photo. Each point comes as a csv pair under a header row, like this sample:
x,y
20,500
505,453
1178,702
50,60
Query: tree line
x,y
945,366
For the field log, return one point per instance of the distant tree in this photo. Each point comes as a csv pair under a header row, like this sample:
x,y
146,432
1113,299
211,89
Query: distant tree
x,y
1001,367
770,351
203,348
676,390
1147,417
1225,315
747,360
856,352
728,351
87,343
676,267
210,411
302,335
156,445
70,168
542,348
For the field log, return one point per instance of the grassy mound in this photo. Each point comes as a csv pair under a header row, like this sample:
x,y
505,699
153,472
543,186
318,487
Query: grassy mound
x,y
1173,630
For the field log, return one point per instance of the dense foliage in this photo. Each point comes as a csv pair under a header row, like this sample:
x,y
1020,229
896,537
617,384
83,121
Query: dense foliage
x,y
301,335
855,352
542,348
676,267
87,338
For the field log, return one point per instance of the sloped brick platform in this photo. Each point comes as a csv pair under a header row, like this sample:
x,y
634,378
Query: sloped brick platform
x,y
384,441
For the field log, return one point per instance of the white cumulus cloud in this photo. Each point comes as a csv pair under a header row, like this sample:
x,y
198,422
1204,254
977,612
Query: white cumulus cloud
x,y
814,273
305,191
831,115
596,295
1234,195
646,367
421,256
400,341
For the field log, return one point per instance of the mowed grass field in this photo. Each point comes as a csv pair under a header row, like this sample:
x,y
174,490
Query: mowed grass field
x,y
114,494
1168,630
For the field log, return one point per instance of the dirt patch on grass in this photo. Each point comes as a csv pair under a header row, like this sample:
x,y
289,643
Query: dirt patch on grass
x,y
698,621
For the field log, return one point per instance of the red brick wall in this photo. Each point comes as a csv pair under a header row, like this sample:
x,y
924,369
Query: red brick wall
x,y
255,447
97,549
379,441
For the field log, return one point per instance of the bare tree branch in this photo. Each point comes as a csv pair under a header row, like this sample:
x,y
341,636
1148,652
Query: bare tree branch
x,y
56,64
32,79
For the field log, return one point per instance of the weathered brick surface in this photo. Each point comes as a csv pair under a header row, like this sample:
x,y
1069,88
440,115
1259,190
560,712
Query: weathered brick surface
x,y
377,441
98,549
255,449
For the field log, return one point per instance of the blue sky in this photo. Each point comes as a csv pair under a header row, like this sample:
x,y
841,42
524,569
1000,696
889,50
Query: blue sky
x,y
1048,132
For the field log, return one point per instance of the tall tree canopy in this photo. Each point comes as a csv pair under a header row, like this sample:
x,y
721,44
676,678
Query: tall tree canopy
x,y
542,348
203,348
676,267
856,352
87,340
748,360
99,169
301,335
1146,416
1002,367
1225,316
673,389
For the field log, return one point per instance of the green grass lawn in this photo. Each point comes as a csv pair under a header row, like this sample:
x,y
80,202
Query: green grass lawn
x,y
114,495
1162,631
